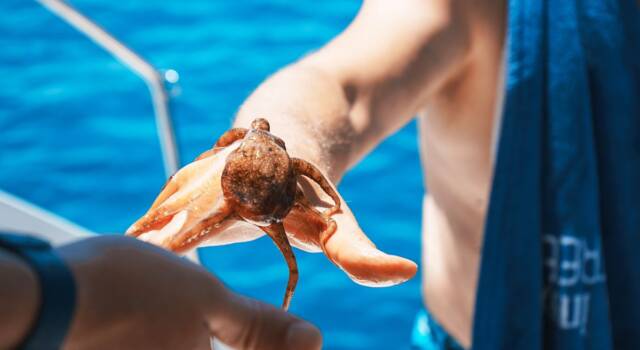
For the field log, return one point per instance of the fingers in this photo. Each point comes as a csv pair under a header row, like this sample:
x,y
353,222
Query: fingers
x,y
163,208
354,253
244,323
170,187
155,219
161,212
206,154
194,188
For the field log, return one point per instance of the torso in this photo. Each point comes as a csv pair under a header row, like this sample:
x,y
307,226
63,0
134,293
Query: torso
x,y
457,130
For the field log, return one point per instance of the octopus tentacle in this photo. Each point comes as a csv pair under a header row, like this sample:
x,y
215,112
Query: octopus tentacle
x,y
304,218
192,237
279,237
229,137
158,216
307,169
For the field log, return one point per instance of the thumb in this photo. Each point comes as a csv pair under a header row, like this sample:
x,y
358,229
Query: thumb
x,y
244,323
348,247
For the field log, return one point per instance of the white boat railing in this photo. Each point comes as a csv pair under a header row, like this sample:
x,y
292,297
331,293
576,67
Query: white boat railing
x,y
154,80
19,216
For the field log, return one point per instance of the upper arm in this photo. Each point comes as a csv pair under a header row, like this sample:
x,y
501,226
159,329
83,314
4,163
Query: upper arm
x,y
390,58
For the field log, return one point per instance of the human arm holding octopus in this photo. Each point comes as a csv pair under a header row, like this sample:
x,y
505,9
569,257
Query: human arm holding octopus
x,y
325,111
335,105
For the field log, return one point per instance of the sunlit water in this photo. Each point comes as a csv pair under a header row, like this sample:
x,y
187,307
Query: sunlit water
x,y
77,137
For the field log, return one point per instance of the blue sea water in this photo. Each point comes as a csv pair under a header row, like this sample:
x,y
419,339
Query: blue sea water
x,y
77,137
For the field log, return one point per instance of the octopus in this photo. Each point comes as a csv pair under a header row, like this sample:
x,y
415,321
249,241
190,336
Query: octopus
x,y
257,183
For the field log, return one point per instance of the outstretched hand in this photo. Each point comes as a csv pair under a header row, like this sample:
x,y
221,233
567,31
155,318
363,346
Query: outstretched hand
x,y
189,199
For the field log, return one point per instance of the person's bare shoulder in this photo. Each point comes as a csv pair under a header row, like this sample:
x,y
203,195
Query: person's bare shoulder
x,y
392,57
386,37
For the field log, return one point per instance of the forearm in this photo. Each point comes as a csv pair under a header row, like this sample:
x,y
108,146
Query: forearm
x,y
19,299
310,111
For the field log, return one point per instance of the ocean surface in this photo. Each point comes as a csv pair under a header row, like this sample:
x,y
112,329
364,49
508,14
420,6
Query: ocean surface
x,y
77,137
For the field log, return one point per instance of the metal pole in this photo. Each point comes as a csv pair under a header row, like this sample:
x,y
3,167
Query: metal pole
x,y
137,64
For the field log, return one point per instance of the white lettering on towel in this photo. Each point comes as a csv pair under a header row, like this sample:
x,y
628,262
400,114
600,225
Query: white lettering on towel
x,y
571,267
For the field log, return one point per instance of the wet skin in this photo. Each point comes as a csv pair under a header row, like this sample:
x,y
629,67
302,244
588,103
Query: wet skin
x,y
259,184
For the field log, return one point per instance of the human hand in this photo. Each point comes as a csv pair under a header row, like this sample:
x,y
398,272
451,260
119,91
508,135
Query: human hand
x,y
131,295
188,201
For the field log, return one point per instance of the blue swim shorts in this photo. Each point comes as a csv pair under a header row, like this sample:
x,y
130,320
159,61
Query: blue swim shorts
x,y
429,335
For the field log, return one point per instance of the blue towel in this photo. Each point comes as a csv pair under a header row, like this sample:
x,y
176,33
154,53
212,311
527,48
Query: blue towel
x,y
561,257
